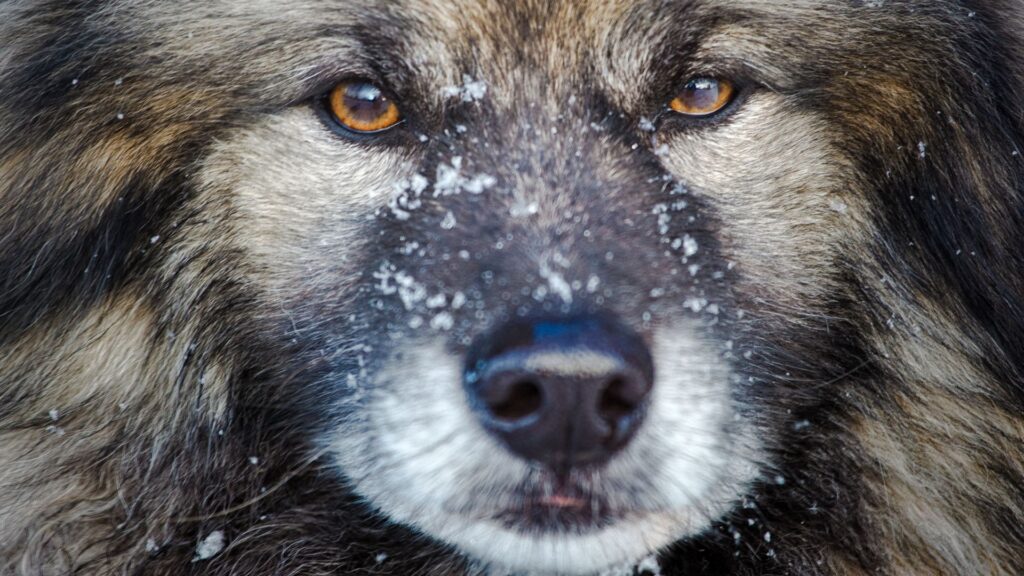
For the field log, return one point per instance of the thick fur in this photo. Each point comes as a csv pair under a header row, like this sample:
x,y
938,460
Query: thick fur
x,y
201,282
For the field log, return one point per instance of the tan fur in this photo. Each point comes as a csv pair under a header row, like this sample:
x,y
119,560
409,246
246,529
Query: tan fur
x,y
118,395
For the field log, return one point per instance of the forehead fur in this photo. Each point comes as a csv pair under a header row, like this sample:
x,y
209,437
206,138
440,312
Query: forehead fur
x,y
140,82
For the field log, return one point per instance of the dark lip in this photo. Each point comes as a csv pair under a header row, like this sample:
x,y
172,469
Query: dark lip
x,y
565,509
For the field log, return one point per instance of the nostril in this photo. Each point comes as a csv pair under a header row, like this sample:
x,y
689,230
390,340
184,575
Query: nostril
x,y
613,405
567,393
521,399
620,398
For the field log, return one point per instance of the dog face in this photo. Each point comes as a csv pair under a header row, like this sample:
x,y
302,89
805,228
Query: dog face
x,y
542,252
551,282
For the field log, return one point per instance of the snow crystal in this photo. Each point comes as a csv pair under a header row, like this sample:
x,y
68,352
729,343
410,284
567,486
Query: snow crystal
x,y
477,184
448,222
922,150
380,558
409,248
458,300
522,208
54,414
151,546
394,281
664,218
254,460
556,283
442,321
689,246
695,304
539,293
470,91
449,180
437,301
210,546
409,290
650,566
385,274
418,183
406,196
646,125
838,206
473,89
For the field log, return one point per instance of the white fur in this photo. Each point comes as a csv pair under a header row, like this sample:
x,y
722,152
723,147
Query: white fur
x,y
426,462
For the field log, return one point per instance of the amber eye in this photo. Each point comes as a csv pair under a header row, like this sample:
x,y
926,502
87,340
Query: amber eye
x,y
703,96
362,107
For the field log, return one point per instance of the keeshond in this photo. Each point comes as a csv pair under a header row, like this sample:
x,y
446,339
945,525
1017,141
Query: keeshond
x,y
534,288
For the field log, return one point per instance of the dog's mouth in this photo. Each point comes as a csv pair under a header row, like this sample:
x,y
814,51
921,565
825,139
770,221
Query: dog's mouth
x,y
561,506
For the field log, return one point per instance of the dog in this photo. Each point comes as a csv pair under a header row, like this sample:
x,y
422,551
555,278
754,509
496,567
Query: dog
x,y
534,288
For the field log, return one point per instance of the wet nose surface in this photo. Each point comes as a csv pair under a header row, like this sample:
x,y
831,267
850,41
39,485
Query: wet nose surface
x,y
561,393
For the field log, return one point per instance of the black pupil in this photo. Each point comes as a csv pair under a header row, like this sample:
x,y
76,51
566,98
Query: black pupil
x,y
702,93
366,102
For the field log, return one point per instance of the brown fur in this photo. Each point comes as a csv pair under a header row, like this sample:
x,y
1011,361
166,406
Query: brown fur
x,y
157,222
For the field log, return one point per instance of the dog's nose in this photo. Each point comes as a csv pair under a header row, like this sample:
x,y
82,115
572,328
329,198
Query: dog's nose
x,y
561,393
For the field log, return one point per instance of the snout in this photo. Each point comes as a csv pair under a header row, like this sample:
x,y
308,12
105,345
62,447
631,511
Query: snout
x,y
561,393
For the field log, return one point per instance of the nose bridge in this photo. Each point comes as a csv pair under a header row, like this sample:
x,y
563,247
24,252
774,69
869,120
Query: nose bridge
x,y
577,361
546,138
551,159
553,206
566,187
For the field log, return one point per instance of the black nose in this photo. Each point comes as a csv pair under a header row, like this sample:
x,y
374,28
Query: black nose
x,y
562,393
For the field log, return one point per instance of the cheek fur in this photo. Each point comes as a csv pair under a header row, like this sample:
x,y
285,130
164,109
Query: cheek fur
x,y
304,195
784,195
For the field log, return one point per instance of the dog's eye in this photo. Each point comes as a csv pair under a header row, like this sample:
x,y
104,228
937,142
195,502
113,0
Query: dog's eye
x,y
362,107
703,96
